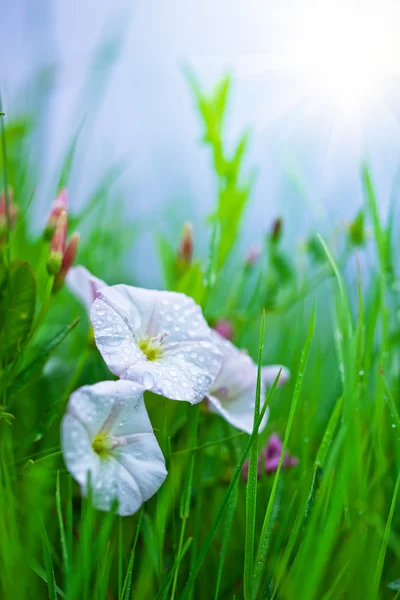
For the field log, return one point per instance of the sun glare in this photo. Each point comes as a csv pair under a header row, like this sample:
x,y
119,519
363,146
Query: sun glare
x,y
345,54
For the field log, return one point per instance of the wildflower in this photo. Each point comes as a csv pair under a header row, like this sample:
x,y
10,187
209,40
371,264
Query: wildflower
x,y
83,285
225,328
68,260
186,245
269,460
158,339
272,453
12,213
57,245
59,205
106,434
232,395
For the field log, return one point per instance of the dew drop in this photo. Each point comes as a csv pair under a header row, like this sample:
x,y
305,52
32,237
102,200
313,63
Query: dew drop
x,y
148,380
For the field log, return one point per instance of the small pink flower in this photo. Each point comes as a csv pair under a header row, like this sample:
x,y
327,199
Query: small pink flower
x,y
272,453
269,460
59,205
225,329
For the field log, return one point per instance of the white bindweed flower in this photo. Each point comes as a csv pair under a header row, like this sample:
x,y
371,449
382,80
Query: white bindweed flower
x,y
233,393
83,285
106,432
158,339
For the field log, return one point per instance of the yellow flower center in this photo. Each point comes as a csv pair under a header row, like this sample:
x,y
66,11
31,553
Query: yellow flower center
x,y
101,445
151,348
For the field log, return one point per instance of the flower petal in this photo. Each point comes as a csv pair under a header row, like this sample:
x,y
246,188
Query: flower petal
x,y
185,371
143,460
270,373
83,285
239,411
133,467
122,316
233,393
113,482
76,444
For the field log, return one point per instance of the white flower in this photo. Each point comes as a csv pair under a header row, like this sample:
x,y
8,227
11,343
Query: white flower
x,y
233,393
158,339
106,432
83,285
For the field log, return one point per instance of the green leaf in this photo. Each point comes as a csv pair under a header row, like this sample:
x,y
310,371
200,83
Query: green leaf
x,y
382,553
164,590
192,282
68,160
38,569
17,309
41,356
126,590
167,255
150,543
219,99
3,273
48,563
357,229
372,203
236,162
63,540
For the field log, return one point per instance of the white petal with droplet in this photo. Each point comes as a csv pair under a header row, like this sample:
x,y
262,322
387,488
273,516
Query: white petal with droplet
x,y
133,468
123,316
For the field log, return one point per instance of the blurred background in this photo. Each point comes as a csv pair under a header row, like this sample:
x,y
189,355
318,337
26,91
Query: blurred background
x,y
317,82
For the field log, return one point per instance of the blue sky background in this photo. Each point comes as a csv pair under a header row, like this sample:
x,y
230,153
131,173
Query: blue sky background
x,y
139,109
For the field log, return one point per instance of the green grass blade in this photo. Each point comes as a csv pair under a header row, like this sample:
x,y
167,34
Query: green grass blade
x,y
63,540
38,569
251,487
230,512
187,490
164,590
382,553
48,563
260,560
126,589
220,512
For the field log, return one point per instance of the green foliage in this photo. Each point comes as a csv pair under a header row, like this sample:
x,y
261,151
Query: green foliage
x,y
17,310
233,191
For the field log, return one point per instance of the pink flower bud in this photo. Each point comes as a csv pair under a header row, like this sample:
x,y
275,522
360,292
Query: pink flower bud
x,y
68,260
276,230
12,213
252,257
225,328
57,245
59,205
186,244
